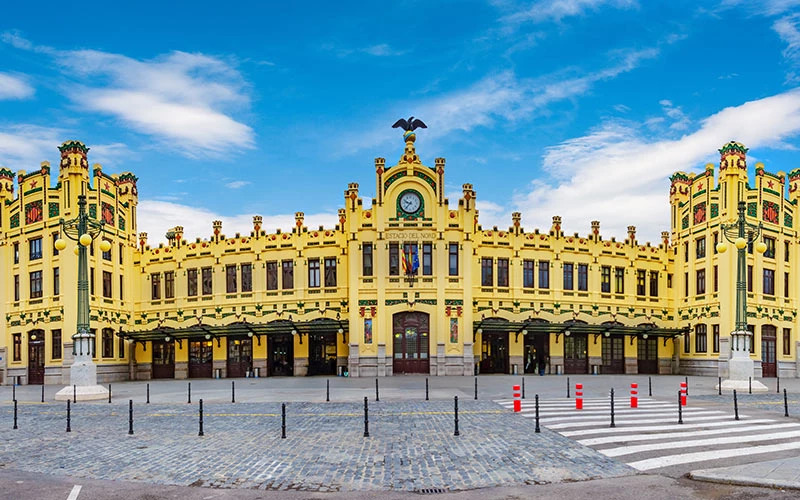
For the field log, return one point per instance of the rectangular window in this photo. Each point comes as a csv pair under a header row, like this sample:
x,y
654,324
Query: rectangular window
x,y
106,255
36,284
619,280
56,281
17,346
641,277
701,282
247,277
569,277
54,237
770,251
687,343
55,344
394,258
121,348
605,279
715,332
287,274
700,247
700,338
330,271
230,278
155,286
716,240
502,272
527,274
121,246
686,282
35,248
427,259
272,275
686,251
787,341
366,259
108,343
207,281
654,283
487,272
786,251
786,285
122,287
107,284
669,280
16,287
191,282
749,278
16,253
93,331
169,285
453,258
716,278
583,277
752,330
91,249
410,253
313,273
544,274
769,282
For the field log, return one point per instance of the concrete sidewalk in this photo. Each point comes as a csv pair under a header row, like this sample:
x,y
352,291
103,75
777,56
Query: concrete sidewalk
x,y
781,473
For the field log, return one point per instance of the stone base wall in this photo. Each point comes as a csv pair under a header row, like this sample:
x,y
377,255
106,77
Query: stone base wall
x,y
111,373
595,363
300,367
517,361
144,371
702,367
181,370
261,364
665,366
221,365
556,365
631,366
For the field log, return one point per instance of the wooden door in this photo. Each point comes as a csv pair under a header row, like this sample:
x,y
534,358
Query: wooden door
x,y
163,359
36,358
240,356
647,355
411,334
201,355
494,353
613,355
576,358
769,367
322,354
281,355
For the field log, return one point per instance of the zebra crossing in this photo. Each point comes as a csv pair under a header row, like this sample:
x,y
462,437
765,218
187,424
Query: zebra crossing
x,y
650,437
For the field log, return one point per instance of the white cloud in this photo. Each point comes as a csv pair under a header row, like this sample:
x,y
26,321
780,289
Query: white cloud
x,y
24,147
763,7
377,50
107,154
14,87
556,10
157,217
237,184
619,176
787,29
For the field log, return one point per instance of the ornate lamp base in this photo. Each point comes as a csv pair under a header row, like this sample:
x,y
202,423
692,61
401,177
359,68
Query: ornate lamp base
x,y
83,381
741,371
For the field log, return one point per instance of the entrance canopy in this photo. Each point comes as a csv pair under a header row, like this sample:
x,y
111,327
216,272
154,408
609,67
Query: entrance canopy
x,y
542,327
238,328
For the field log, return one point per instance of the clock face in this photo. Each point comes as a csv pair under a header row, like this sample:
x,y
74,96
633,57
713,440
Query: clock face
x,y
410,202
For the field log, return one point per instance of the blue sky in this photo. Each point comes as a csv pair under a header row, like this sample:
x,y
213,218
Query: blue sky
x,y
577,108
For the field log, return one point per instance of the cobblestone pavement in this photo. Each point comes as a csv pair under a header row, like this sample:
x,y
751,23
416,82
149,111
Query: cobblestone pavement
x,y
411,448
769,403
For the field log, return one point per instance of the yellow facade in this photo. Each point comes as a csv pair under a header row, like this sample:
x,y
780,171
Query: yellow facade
x,y
409,285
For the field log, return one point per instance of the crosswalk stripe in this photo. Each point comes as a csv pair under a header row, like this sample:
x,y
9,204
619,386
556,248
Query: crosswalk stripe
x,y
646,416
682,435
629,450
671,427
605,411
567,425
700,456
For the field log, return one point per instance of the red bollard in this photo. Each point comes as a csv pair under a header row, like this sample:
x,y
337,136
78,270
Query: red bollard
x,y
517,401
579,396
683,393
634,395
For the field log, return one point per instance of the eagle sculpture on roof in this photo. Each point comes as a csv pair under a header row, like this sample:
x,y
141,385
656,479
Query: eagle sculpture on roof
x,y
410,124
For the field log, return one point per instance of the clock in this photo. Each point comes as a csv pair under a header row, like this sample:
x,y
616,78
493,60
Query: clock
x,y
410,202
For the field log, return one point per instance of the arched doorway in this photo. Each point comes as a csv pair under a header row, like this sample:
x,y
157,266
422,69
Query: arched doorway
x,y
36,357
411,345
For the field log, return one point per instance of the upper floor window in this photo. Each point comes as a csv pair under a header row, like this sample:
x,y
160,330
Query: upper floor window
x,y
716,240
686,251
410,261
330,271
527,274
191,282
56,281
700,338
427,259
272,275
619,280
701,282
769,282
544,274
54,237
207,281
247,277
654,283
700,247
169,284
155,286
121,253
366,259
453,258
394,258
786,251
487,273
16,287
313,273
770,251
569,277
583,277
16,253
106,255
502,272
35,249
230,278
36,284
107,284
605,279
287,274
641,277
749,278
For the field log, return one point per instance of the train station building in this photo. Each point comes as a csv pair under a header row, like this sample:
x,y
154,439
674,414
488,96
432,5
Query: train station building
x,y
410,283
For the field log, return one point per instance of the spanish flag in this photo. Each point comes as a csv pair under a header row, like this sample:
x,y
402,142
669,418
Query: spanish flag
x,y
404,262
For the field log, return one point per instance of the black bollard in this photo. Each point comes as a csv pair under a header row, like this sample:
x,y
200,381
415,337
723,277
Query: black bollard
x,y
686,379
455,401
366,418
735,406
130,417
612,408
650,386
476,388
778,387
109,393
69,429
233,392
15,414
14,391
426,388
201,419
680,409
377,396
719,386
328,390
523,387
567,386
283,420
42,393
189,400
148,393
785,404
537,415
750,385
74,393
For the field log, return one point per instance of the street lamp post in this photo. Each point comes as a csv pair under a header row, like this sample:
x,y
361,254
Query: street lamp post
x,y
83,372
740,366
